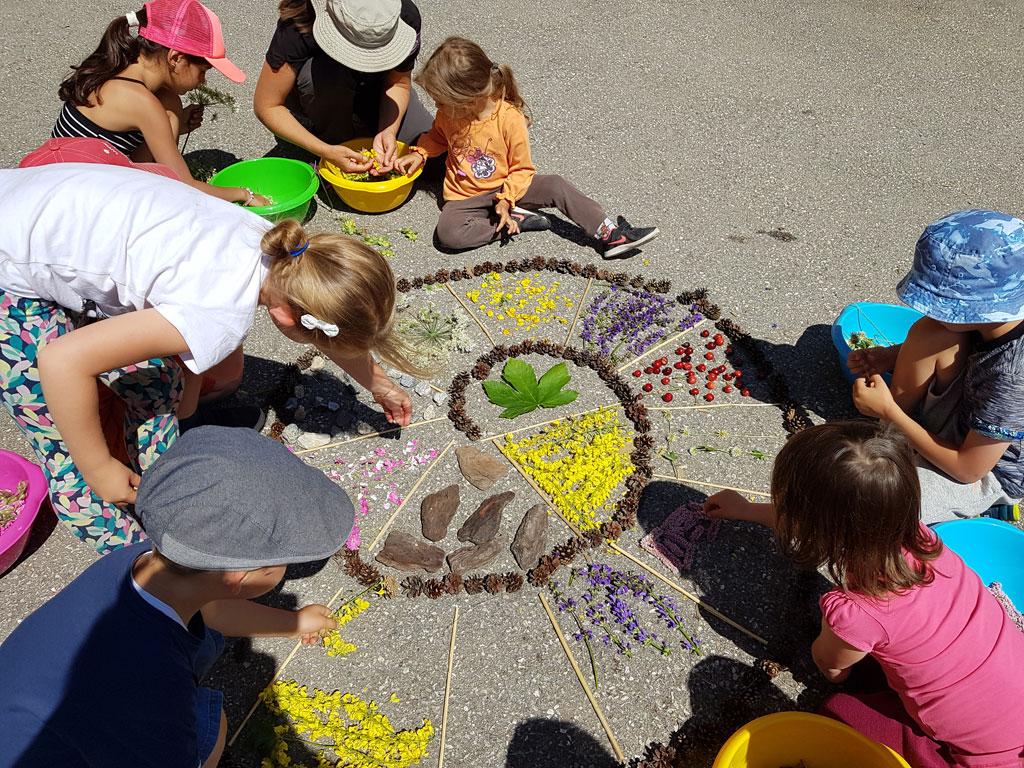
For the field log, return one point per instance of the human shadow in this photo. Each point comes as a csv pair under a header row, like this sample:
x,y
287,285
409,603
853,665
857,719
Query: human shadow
x,y
203,164
44,525
542,743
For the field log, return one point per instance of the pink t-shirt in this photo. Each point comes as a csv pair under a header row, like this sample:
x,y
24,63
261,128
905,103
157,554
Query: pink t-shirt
x,y
950,652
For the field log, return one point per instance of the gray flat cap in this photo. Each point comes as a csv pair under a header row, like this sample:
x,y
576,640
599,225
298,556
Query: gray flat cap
x,y
223,499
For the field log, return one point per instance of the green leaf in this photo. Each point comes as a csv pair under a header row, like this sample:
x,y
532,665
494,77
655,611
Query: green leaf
x,y
560,398
521,376
500,393
556,377
517,410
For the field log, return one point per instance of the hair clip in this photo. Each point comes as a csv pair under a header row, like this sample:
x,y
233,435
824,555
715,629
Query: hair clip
x,y
133,24
296,252
308,321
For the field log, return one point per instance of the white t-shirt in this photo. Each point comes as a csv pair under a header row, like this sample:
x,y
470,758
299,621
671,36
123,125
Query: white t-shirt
x,y
113,240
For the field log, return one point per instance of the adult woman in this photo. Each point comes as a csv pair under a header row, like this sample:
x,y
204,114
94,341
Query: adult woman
x,y
344,73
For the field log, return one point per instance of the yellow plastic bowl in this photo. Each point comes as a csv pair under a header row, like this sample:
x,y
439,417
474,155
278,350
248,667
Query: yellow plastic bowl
x,y
369,196
786,738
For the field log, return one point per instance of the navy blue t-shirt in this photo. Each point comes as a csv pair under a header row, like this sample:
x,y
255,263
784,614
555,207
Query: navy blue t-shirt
x,y
99,677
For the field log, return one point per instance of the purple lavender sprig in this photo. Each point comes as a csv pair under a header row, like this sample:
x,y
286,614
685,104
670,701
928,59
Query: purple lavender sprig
x,y
690,320
631,318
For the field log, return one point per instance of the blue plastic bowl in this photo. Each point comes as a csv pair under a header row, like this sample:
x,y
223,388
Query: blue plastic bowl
x,y
887,324
993,549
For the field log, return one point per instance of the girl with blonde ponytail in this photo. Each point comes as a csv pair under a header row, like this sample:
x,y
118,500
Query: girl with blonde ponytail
x,y
491,184
175,278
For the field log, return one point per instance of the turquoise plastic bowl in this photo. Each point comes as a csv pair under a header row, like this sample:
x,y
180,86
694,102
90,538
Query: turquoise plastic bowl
x,y
291,184
992,548
887,324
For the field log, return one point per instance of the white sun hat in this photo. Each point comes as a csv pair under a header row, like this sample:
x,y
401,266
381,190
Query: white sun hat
x,y
364,35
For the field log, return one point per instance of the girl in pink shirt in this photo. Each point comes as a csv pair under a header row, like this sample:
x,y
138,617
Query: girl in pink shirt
x,y
846,496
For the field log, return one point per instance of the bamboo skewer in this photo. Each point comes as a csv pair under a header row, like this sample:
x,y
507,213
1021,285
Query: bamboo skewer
x,y
471,314
409,495
711,405
424,422
552,421
579,308
447,688
688,595
619,755
713,485
659,345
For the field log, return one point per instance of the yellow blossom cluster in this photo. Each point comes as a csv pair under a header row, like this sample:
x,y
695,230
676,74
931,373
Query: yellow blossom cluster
x,y
520,302
357,733
578,462
335,644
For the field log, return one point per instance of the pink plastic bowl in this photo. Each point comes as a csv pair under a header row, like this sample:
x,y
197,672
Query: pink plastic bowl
x,y
13,538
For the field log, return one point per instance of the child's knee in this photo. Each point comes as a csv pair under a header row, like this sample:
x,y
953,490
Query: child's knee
x,y
460,232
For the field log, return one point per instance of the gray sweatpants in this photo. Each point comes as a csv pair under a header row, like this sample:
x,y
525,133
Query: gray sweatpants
x,y
942,497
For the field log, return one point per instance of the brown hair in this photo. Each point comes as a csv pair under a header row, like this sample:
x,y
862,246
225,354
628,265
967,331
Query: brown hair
x,y
847,496
116,51
459,72
340,280
298,12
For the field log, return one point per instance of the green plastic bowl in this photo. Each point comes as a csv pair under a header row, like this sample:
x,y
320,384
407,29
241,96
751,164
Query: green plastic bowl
x,y
291,184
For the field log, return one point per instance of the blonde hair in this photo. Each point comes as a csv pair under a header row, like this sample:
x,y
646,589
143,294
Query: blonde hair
x,y
341,281
459,73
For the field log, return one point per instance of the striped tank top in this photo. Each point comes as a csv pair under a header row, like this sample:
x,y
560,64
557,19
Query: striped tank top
x,y
71,123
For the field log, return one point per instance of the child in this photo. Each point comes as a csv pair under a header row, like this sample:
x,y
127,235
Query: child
x,y
845,495
490,183
175,278
958,380
128,91
106,673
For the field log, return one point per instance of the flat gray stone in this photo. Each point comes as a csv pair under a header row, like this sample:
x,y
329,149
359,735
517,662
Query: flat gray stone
x,y
476,556
479,467
531,537
407,381
423,389
291,433
437,511
316,363
363,428
405,552
483,525
311,440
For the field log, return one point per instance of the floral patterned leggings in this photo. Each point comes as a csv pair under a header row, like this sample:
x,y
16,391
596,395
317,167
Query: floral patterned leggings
x,y
144,396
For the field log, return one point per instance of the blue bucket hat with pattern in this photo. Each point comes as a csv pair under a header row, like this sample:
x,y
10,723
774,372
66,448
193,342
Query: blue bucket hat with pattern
x,y
968,268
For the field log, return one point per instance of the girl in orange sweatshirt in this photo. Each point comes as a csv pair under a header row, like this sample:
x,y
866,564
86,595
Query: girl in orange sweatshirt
x,y
490,182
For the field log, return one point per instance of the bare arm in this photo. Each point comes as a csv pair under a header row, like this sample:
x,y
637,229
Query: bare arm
x,y
393,399
244,618
834,656
729,505
394,102
68,367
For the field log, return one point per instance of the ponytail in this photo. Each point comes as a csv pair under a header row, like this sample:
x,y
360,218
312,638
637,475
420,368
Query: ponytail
x,y
504,82
346,289
118,49
298,12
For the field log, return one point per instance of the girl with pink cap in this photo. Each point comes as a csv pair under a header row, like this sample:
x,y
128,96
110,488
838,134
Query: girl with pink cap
x,y
128,91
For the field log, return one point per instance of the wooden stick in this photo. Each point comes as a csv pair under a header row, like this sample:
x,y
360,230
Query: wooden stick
x,y
710,406
472,314
412,491
712,485
544,497
662,343
579,308
447,688
619,755
688,595
369,436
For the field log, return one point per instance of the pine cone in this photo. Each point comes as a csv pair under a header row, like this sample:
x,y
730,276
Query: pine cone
x,y
390,585
494,584
771,667
413,586
403,285
538,262
442,276
539,576
434,589
474,585
417,282
593,537
513,581
428,279
277,430
452,583
481,371
479,270
589,271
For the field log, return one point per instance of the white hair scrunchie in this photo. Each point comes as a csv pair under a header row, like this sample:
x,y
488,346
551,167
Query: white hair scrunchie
x,y
308,321
133,23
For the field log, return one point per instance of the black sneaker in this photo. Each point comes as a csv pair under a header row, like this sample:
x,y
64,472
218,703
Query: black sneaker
x,y
530,221
626,237
245,416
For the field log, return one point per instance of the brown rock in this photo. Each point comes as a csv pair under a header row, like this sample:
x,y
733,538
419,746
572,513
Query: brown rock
x,y
437,511
407,553
483,525
531,538
476,555
479,467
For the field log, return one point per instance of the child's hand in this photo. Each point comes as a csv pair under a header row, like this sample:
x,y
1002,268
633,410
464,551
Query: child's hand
x,y
867,362
348,160
257,201
396,404
873,398
505,221
113,481
314,621
728,505
409,163
191,118
384,146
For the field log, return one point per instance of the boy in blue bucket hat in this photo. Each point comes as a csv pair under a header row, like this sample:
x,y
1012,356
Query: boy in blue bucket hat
x,y
107,673
958,380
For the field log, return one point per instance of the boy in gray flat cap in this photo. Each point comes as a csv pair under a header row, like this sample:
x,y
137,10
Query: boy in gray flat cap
x,y
107,672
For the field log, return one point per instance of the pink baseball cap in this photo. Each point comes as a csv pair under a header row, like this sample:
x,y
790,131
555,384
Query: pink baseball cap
x,y
190,27
87,150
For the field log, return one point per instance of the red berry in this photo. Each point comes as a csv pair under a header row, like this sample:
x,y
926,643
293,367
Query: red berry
x,y
680,351
666,371
666,381
709,396
745,392
709,355
678,365
648,387
637,373
728,350
691,379
667,397
686,365
721,369
648,370
727,376
712,376
705,333
719,339
694,391
727,388
686,358
737,372
662,361
702,367
710,385
710,345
